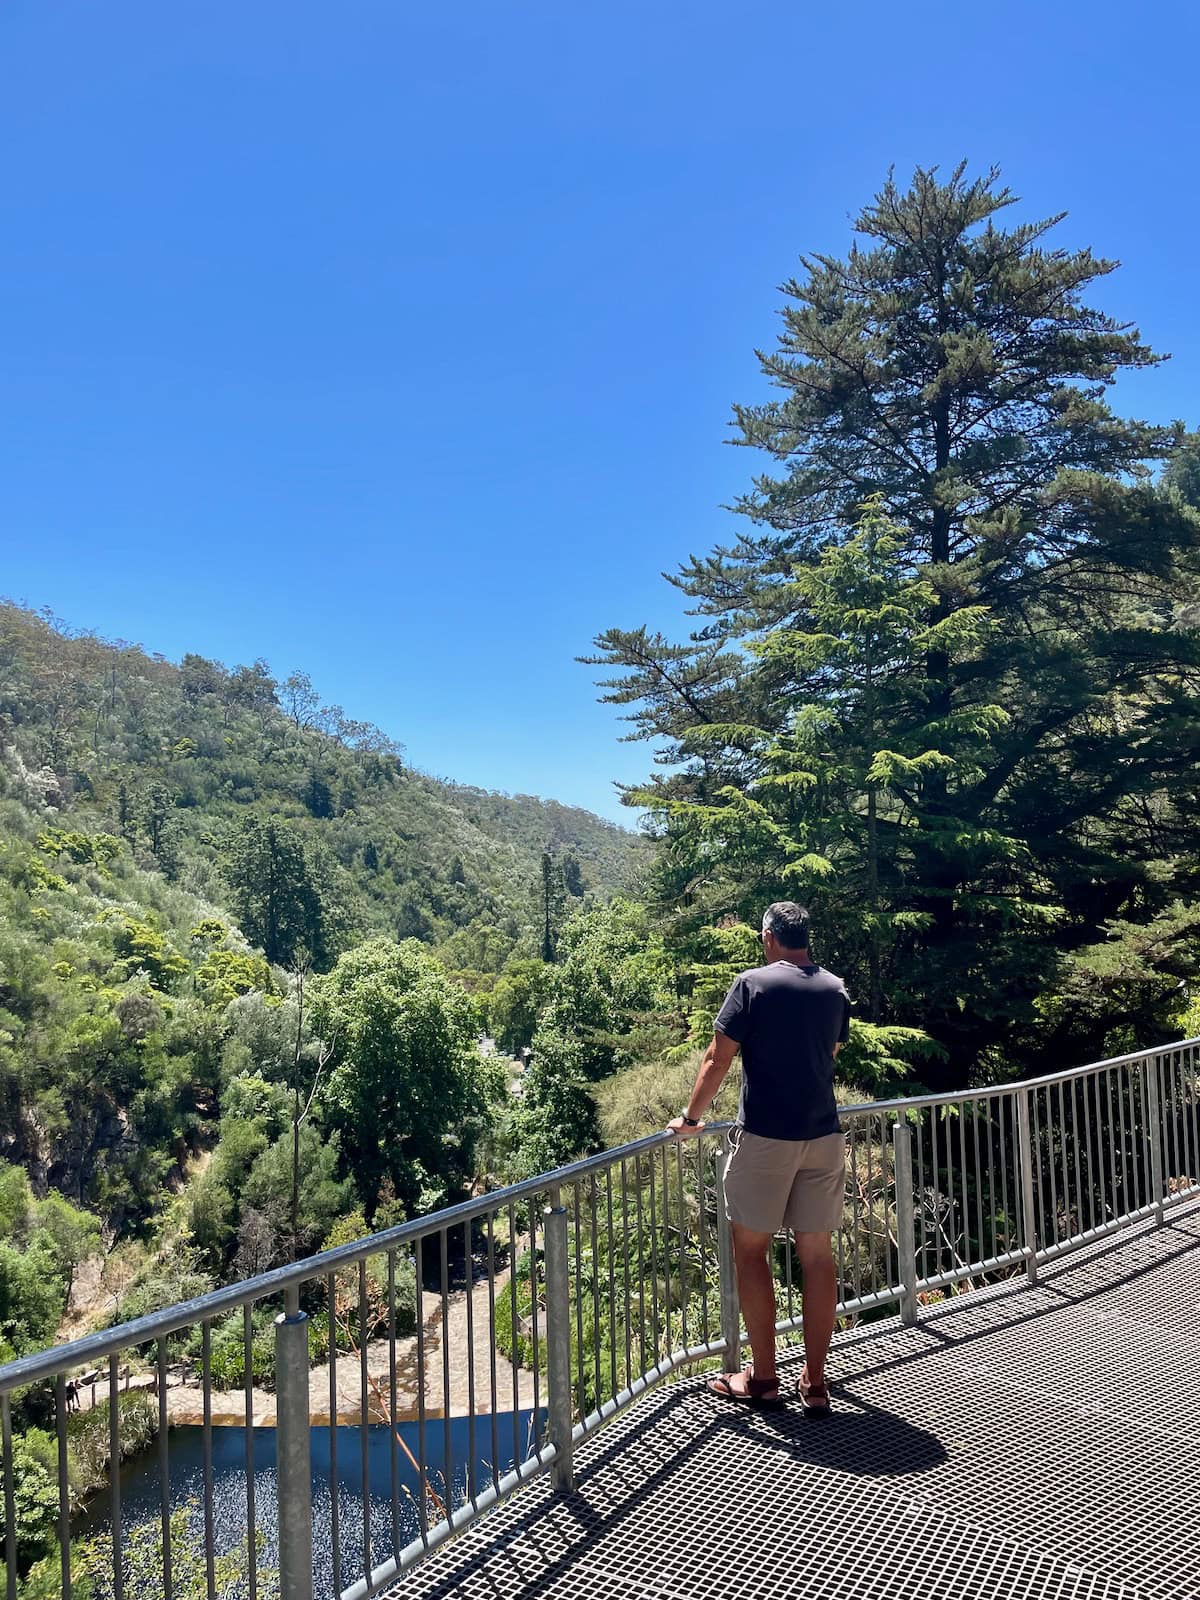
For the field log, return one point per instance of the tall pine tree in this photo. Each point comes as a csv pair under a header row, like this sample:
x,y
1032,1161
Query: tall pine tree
x,y
954,369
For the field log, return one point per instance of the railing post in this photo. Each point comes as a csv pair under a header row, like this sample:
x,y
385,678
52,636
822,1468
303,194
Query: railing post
x,y
906,1219
293,1467
1029,1239
558,1342
731,1311
1154,1135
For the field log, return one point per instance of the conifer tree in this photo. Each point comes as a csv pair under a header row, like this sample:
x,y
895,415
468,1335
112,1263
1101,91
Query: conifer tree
x,y
273,891
955,369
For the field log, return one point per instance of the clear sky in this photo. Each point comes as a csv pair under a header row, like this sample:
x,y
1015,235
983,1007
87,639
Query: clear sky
x,y
398,342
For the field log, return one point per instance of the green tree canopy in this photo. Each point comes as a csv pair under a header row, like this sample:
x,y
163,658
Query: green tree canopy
x,y
516,1002
406,1088
612,1002
274,890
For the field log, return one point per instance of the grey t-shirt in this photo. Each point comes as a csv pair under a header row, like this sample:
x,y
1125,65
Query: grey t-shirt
x,y
787,1020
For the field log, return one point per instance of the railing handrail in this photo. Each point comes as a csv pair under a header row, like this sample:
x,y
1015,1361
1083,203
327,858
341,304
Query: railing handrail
x,y
187,1313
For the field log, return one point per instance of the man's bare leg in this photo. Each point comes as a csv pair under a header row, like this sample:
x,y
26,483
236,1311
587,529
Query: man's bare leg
x,y
819,1288
756,1291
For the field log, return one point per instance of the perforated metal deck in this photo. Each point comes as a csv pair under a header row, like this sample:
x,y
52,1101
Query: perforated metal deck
x,y
1017,1443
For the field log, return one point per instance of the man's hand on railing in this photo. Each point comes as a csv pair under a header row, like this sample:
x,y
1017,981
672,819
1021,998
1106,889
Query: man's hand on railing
x,y
683,1128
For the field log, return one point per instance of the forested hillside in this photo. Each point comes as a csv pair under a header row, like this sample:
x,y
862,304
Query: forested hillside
x,y
172,760
184,852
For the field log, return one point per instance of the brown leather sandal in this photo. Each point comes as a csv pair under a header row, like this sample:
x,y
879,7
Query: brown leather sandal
x,y
814,1397
758,1391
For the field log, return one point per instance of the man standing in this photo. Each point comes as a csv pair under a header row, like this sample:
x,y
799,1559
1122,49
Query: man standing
x,y
787,1161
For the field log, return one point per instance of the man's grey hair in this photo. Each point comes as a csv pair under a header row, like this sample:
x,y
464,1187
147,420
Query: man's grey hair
x,y
789,923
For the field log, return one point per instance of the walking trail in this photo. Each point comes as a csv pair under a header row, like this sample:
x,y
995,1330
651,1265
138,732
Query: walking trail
x,y
185,1400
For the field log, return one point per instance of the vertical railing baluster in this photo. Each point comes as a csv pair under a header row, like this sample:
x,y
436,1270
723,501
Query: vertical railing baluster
x,y
364,1415
10,1499
164,1473
335,1501
1169,1138
1185,1117
666,1223
533,1325
948,1124
702,1203
979,1239
1077,1150
1178,1121
902,1163
472,1470
1096,1173
293,1463
593,1202
248,1410
64,1485
1138,1133
654,1280
919,1211
393,1405
1004,1135
612,1282
1025,1159
1129,1202
114,1472
1052,1164
422,1445
492,1365
641,1265
1111,1130
513,1284
210,1521
731,1317
839,1260
447,1442
1193,1079
1154,1135
558,1340
789,1286
869,1205
1183,1126
628,1317
683,1236
855,1212
1032,1097
580,1363
967,1256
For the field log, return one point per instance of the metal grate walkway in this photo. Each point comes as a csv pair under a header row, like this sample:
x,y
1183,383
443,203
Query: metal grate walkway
x,y
1017,1443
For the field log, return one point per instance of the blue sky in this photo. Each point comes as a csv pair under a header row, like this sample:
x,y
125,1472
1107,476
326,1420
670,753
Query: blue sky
x,y
398,343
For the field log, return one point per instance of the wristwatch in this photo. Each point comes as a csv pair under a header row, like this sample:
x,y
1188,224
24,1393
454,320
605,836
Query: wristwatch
x,y
688,1122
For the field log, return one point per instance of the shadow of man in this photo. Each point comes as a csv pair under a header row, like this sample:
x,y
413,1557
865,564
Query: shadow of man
x,y
857,1437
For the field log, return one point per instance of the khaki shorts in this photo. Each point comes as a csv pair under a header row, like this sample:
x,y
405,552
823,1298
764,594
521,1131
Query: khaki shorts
x,y
772,1184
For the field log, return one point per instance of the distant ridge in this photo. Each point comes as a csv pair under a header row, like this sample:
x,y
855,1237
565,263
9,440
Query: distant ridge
x,y
170,756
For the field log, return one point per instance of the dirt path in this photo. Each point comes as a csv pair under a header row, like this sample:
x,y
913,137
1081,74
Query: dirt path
x,y
185,1400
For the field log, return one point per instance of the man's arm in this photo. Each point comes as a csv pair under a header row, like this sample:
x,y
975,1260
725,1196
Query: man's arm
x,y
718,1059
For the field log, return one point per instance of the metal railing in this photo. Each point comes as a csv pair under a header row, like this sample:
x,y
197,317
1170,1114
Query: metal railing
x,y
540,1310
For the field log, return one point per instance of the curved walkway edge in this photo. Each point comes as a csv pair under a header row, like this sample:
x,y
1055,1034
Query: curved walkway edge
x,y
1017,1443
